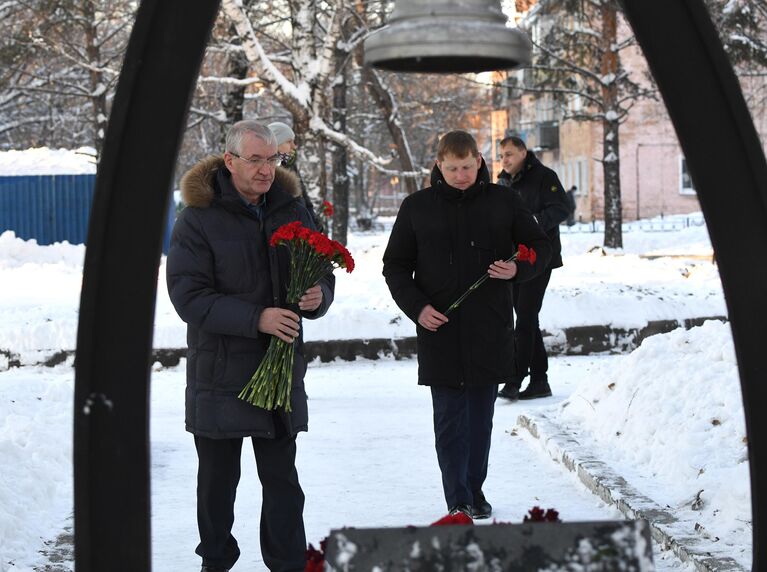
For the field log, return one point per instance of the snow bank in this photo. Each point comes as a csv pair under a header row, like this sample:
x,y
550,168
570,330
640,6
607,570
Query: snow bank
x,y
45,161
672,412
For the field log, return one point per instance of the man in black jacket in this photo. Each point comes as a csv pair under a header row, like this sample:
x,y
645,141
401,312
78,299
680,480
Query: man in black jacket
x,y
544,196
445,237
229,286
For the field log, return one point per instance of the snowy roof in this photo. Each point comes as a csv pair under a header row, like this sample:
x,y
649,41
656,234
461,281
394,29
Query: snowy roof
x,y
44,161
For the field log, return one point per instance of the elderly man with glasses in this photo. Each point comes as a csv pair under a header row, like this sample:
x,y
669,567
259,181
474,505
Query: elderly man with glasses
x,y
229,287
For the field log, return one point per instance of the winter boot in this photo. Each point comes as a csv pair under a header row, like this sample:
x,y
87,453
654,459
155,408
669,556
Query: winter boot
x,y
536,389
481,508
464,508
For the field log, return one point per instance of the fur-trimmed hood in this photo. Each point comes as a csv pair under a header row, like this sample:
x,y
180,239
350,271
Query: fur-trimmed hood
x,y
198,189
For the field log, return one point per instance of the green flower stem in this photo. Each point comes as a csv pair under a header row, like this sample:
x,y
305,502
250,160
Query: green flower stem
x,y
271,384
482,279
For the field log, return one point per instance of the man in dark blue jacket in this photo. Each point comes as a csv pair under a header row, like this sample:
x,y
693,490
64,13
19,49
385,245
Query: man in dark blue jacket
x,y
543,195
445,237
229,286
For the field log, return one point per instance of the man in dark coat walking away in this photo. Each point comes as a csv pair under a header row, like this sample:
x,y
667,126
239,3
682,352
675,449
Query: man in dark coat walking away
x,y
542,193
229,286
444,238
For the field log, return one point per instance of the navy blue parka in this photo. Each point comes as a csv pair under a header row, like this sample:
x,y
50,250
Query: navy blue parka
x,y
221,275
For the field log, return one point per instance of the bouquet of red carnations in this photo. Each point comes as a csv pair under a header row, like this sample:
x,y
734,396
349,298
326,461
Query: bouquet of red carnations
x,y
523,254
312,256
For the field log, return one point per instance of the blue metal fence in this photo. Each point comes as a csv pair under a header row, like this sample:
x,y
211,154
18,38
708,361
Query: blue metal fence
x,y
53,208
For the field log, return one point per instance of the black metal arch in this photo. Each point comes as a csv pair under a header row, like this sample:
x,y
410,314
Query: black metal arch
x,y
114,338
119,281
725,157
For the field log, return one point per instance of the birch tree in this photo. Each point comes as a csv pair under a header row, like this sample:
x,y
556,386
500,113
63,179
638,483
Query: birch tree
x,y
302,85
74,52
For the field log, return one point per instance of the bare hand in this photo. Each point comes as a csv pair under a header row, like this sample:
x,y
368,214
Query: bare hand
x,y
311,299
502,270
430,319
279,322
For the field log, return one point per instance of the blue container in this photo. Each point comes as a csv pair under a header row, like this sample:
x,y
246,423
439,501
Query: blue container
x,y
54,208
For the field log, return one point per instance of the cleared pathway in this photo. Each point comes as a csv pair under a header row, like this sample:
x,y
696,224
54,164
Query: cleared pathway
x,y
367,460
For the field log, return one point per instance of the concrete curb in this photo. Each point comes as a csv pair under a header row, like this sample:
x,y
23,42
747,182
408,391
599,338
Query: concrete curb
x,y
599,478
577,340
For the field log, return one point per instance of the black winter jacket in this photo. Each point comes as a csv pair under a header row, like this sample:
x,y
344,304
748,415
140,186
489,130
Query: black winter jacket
x,y
221,275
443,240
544,196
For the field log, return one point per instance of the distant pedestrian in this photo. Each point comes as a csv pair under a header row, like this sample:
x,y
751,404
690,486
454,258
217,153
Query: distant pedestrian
x,y
288,150
571,200
543,195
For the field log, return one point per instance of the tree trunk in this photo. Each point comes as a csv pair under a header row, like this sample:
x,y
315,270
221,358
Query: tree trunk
x,y
340,221
610,129
233,101
612,177
98,88
386,102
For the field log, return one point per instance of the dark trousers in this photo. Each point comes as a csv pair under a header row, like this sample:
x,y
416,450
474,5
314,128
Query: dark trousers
x,y
463,424
283,541
529,352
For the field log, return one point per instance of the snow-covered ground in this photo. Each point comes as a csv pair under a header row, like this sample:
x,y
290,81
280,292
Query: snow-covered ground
x,y
40,290
668,417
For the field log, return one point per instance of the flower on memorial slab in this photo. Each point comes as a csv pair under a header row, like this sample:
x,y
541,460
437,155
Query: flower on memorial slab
x,y
537,514
315,558
457,518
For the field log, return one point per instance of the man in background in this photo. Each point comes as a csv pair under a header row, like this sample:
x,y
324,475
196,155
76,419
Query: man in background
x,y
286,147
543,195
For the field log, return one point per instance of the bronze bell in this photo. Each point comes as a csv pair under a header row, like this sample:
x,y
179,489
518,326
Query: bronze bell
x,y
443,36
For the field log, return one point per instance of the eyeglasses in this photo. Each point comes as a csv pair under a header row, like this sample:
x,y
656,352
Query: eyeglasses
x,y
259,162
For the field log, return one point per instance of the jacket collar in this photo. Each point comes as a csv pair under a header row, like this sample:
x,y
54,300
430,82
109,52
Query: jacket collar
x,y
201,185
440,185
530,161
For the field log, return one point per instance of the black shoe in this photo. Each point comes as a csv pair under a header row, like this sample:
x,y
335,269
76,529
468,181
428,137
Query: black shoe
x,y
509,392
535,390
213,569
481,508
464,508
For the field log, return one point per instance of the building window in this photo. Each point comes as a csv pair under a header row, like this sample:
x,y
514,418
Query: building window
x,y
685,180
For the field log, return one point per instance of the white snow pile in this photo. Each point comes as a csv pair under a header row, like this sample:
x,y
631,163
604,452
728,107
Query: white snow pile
x,y
16,253
673,412
45,161
36,458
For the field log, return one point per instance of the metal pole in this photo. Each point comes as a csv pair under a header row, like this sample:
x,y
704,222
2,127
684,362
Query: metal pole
x,y
687,59
114,338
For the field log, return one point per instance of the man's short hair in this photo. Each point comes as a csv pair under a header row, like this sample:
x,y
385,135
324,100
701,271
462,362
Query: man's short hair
x,y
458,143
514,140
238,131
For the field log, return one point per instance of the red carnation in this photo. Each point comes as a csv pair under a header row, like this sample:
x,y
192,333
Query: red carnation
x,y
315,559
312,256
537,514
327,209
523,254
457,518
